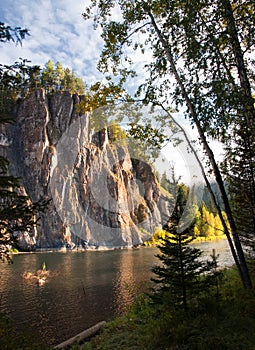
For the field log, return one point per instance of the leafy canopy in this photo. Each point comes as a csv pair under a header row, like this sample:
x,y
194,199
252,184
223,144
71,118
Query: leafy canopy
x,y
196,36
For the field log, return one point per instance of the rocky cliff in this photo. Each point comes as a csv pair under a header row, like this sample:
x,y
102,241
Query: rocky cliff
x,y
100,197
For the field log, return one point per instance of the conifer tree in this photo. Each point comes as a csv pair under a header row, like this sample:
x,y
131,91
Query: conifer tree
x,y
179,274
59,75
72,87
48,76
80,86
66,85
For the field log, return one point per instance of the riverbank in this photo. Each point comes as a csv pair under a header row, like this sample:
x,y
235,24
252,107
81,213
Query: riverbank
x,y
209,239
75,250
153,242
225,320
104,249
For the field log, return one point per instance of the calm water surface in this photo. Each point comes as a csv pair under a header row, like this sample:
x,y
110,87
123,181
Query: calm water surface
x,y
87,287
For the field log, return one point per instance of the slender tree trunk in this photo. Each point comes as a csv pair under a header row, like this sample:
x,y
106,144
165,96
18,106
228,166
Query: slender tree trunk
x,y
208,185
243,266
248,101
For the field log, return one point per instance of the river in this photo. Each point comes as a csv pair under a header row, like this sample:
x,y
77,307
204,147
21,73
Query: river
x,y
86,287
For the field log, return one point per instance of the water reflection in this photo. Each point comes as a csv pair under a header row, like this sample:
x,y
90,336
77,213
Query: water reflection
x,y
125,284
221,248
86,288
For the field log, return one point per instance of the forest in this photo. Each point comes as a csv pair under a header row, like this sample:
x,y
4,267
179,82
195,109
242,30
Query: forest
x,y
199,60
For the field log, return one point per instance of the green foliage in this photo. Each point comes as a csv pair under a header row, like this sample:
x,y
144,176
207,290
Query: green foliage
x,y
100,95
196,35
211,323
8,33
153,135
239,169
179,274
61,79
116,133
56,78
13,78
16,80
19,79
17,212
208,224
168,185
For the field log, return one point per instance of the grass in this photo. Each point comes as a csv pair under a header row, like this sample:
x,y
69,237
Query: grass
x,y
223,322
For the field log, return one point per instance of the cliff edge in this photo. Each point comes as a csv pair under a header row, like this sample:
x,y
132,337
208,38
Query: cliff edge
x,y
100,197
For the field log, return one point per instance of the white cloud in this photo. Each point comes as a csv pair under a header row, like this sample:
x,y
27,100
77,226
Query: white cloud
x,y
58,32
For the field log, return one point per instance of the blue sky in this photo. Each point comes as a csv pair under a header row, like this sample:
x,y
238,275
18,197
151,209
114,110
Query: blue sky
x,y
57,32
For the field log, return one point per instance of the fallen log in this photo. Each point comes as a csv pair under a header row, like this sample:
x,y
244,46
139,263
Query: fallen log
x,y
81,336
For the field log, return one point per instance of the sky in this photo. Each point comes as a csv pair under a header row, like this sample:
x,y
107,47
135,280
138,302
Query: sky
x,y
59,32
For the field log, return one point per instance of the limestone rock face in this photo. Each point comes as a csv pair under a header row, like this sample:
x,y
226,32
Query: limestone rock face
x,y
100,197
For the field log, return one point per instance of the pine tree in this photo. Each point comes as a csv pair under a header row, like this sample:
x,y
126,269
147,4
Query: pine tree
x,y
72,87
59,75
80,86
48,76
179,274
67,79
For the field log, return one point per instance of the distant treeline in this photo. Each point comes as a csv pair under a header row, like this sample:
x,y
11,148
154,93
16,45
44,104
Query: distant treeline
x,y
206,222
19,79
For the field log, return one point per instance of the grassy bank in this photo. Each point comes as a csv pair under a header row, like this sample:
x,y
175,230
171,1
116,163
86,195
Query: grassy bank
x,y
218,322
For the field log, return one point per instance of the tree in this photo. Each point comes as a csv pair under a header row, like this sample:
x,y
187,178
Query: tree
x,y
240,157
17,212
208,224
199,45
59,75
73,82
171,185
48,76
80,86
115,132
238,167
179,275
8,33
57,78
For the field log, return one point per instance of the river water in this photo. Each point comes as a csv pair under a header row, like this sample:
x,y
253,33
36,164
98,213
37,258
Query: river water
x,y
86,287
